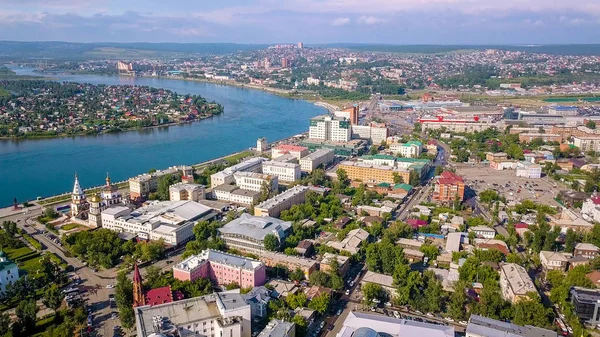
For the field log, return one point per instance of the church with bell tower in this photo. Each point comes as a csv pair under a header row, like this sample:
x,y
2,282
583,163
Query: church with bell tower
x,y
79,203
108,197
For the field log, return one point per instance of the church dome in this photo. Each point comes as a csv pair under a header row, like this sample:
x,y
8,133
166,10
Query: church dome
x,y
95,198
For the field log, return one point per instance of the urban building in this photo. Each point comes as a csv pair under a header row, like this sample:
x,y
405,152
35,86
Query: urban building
x,y
360,324
285,149
378,159
352,242
317,158
330,128
9,272
529,170
587,143
586,304
79,204
563,110
374,132
109,196
278,328
590,209
186,191
281,202
247,233
480,326
272,259
262,145
483,231
144,184
234,194
449,187
385,281
217,314
372,173
587,250
410,149
327,264
464,125
153,296
553,260
171,221
222,269
253,181
286,172
225,177
515,283
258,298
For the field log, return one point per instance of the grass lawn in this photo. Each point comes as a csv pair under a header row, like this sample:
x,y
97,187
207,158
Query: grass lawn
x,y
31,265
234,158
15,254
70,226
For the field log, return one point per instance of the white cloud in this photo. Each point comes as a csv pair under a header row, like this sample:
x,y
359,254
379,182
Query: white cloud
x,y
370,20
340,22
577,21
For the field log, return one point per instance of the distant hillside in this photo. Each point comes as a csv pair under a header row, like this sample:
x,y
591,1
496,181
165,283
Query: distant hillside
x,y
575,49
68,50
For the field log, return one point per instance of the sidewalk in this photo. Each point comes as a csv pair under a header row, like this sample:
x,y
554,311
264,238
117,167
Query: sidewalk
x,y
10,211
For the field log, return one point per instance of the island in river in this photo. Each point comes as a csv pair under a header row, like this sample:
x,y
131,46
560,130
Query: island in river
x,y
37,108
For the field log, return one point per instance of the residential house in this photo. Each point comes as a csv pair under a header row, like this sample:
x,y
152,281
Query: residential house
x,y
515,283
483,231
586,250
553,260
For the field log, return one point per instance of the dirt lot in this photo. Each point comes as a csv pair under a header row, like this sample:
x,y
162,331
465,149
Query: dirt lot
x,y
483,178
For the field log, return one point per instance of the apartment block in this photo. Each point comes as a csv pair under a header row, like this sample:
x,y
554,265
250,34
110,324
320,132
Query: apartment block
x,y
515,283
410,149
372,173
144,184
272,259
186,191
247,233
281,202
330,128
253,181
285,172
317,158
448,187
226,176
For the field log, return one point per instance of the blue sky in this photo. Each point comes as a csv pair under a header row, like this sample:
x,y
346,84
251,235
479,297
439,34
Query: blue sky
x,y
310,21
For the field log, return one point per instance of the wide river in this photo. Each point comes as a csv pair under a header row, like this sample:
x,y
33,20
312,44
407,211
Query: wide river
x,y
44,167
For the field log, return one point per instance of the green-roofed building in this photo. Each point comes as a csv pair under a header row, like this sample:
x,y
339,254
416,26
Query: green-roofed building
x,y
9,272
410,149
379,159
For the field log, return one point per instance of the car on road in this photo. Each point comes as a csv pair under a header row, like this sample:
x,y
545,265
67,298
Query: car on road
x,y
462,322
322,325
330,327
109,286
339,312
347,292
113,315
449,319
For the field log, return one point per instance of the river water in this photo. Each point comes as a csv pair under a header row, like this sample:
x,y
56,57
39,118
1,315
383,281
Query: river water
x,y
42,167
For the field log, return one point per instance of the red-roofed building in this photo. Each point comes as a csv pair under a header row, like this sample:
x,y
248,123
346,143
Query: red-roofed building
x,y
417,223
159,296
294,150
153,296
448,187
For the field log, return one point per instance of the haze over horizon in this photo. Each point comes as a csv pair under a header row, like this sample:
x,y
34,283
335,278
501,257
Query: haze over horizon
x,y
311,21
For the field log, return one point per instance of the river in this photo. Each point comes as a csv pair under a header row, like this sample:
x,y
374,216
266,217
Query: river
x,y
42,167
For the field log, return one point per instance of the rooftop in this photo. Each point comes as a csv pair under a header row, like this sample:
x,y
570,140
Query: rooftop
x,y
276,328
483,326
318,153
390,326
161,213
215,256
586,246
518,279
290,148
276,200
256,227
280,164
376,278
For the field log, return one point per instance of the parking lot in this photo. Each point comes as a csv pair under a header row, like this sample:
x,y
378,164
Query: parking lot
x,y
507,184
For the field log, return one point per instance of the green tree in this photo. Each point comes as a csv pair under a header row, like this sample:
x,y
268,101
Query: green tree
x,y
591,124
457,303
414,179
320,303
10,228
438,170
570,240
271,242
53,297
164,182
297,275
374,150
372,291
297,300
433,296
124,299
532,312
319,278
26,312
300,324
430,251
398,178
515,151
342,178
488,196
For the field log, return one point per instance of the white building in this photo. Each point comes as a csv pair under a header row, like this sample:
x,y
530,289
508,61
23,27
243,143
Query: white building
x,y
529,170
329,128
287,149
171,221
361,324
247,233
483,231
375,132
411,149
226,176
287,172
515,283
281,202
319,157
144,184
253,181
224,314
261,144
186,191
587,142
278,328
9,272
590,209
232,193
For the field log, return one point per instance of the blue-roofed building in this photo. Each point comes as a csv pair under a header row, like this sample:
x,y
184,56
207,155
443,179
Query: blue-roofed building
x,y
563,110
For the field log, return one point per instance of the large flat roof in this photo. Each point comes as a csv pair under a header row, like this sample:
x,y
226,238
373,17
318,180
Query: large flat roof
x,y
390,326
483,326
256,227
215,256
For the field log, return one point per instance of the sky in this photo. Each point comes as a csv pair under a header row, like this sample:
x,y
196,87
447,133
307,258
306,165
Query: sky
x,y
309,21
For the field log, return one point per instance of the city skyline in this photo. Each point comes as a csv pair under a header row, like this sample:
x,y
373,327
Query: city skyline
x,y
310,21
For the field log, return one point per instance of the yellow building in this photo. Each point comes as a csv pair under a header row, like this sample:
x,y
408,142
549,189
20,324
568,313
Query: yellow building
x,y
372,173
